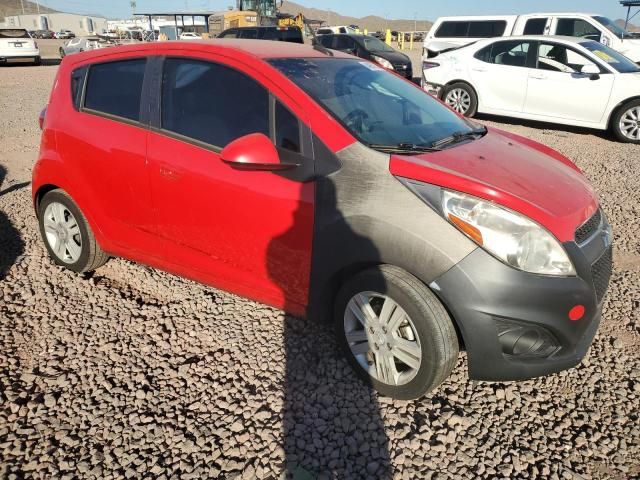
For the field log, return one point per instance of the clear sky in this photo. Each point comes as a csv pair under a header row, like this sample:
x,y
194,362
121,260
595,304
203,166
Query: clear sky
x,y
422,9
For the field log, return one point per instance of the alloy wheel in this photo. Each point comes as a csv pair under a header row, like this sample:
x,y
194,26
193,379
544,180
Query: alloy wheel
x,y
382,338
62,232
458,99
630,123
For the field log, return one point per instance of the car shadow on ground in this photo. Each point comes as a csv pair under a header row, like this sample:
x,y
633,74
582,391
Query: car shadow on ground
x,y
332,424
11,243
537,125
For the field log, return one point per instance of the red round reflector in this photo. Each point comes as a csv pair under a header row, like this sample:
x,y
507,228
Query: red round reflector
x,y
576,313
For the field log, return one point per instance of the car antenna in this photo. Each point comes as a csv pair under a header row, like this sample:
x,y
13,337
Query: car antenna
x,y
318,46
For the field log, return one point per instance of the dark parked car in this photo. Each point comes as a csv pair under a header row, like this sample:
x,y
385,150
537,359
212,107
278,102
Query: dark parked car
x,y
324,185
282,34
45,34
370,48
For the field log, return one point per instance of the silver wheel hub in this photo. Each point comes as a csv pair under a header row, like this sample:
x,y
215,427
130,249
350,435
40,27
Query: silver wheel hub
x,y
459,100
382,338
630,123
62,233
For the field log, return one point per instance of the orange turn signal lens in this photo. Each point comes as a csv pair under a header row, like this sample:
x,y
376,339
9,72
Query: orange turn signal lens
x,y
467,229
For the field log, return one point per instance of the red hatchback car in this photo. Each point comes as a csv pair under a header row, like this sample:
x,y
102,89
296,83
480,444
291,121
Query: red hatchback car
x,y
326,186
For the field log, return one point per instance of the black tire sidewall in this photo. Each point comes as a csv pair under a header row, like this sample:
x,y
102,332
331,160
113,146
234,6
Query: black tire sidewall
x,y
615,123
473,108
428,376
57,196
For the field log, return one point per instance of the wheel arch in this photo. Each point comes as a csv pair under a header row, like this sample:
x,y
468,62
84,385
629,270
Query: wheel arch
x,y
618,107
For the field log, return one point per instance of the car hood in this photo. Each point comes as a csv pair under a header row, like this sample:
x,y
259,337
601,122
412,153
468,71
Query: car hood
x,y
393,57
514,172
631,48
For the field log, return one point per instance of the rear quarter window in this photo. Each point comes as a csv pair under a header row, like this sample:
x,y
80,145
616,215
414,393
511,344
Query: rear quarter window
x,y
77,86
115,88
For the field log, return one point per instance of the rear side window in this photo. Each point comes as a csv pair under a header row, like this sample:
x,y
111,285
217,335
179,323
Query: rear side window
x,y
326,40
115,88
229,34
472,29
487,29
251,34
510,53
287,129
211,103
535,26
453,29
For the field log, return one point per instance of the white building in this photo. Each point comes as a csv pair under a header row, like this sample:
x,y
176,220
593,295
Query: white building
x,y
78,24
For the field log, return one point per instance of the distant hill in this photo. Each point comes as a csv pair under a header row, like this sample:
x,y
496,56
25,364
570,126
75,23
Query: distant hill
x,y
14,7
630,27
372,23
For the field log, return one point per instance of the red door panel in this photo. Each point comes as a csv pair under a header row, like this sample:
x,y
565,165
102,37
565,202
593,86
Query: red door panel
x,y
113,167
248,232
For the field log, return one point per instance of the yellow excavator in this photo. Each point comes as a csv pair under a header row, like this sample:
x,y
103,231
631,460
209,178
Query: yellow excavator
x,y
251,13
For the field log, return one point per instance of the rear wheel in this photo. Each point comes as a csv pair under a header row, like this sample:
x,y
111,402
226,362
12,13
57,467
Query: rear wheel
x,y
62,53
395,333
37,61
67,235
462,98
626,122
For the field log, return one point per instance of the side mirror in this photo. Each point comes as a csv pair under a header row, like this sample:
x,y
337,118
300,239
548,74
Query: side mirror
x,y
253,152
591,70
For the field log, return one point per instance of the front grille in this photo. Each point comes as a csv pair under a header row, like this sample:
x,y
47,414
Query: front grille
x,y
601,273
589,227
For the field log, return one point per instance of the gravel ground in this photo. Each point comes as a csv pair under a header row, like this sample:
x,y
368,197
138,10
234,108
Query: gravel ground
x,y
132,372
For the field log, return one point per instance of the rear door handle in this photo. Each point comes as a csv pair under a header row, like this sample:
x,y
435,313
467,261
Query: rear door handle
x,y
538,76
479,69
170,173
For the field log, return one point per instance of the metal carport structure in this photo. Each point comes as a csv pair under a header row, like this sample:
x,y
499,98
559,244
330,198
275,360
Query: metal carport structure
x,y
629,4
180,15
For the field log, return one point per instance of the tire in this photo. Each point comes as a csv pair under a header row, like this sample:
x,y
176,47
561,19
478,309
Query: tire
x,y
420,320
60,218
462,98
62,53
37,61
624,117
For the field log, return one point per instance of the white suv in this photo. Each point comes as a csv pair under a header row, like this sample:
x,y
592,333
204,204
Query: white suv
x,y
16,45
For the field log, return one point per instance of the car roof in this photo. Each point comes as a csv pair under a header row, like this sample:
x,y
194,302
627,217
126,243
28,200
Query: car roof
x,y
261,49
558,38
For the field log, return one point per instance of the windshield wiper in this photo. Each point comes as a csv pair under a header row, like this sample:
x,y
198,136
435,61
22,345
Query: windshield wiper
x,y
458,137
403,148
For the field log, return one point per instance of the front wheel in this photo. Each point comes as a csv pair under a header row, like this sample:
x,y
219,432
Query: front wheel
x,y
626,122
67,235
462,98
395,332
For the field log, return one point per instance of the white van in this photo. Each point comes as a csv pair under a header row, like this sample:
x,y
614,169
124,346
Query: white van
x,y
452,32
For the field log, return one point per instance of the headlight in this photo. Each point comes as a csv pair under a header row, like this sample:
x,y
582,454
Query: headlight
x,y
382,61
509,236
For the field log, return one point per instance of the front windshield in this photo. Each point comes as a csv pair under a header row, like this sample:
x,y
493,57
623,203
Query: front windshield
x,y
375,106
373,44
613,27
615,59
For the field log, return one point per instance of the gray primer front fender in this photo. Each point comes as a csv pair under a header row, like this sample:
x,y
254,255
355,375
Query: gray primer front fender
x,y
365,216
